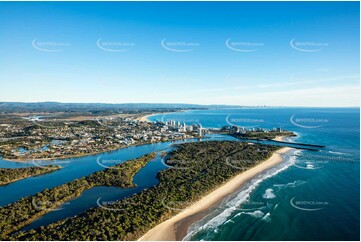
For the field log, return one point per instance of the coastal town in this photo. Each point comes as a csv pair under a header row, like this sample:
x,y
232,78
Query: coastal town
x,y
38,139
180,121
35,138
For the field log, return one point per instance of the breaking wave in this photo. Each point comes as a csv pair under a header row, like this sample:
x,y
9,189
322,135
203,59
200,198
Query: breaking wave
x,y
289,185
337,153
269,194
230,206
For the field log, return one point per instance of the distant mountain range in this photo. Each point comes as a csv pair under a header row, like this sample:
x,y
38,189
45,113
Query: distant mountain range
x,y
19,107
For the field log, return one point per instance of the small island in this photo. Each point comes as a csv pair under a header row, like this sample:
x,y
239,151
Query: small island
x,y
9,175
21,213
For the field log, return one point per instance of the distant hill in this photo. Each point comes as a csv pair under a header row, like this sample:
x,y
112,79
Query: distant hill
x,y
19,107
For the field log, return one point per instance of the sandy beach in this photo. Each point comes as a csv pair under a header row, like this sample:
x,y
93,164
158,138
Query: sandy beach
x,y
280,138
145,118
176,227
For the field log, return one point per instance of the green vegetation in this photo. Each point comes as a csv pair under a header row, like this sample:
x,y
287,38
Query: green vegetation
x,y
262,135
198,168
9,175
20,213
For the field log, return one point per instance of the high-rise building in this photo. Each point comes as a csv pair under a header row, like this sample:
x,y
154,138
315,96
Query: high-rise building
x,y
200,132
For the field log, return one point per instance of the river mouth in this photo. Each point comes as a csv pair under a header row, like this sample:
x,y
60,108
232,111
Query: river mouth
x,y
325,176
97,196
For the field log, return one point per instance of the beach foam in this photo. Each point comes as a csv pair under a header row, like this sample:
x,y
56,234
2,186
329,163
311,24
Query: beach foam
x,y
269,194
233,205
337,153
255,214
289,185
267,217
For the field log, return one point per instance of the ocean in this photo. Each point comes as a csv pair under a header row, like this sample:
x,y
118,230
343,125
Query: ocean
x,y
313,195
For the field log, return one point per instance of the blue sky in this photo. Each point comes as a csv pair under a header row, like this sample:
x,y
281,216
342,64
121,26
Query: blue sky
x,y
260,53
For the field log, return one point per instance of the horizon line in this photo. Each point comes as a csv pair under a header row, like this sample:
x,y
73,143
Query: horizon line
x,y
237,105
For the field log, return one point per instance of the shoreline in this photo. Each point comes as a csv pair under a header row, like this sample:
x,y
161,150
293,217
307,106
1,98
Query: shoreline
x,y
176,227
145,118
22,160
280,138
88,154
63,157
28,176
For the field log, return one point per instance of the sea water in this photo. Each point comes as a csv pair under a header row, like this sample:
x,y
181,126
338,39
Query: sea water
x,y
312,195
